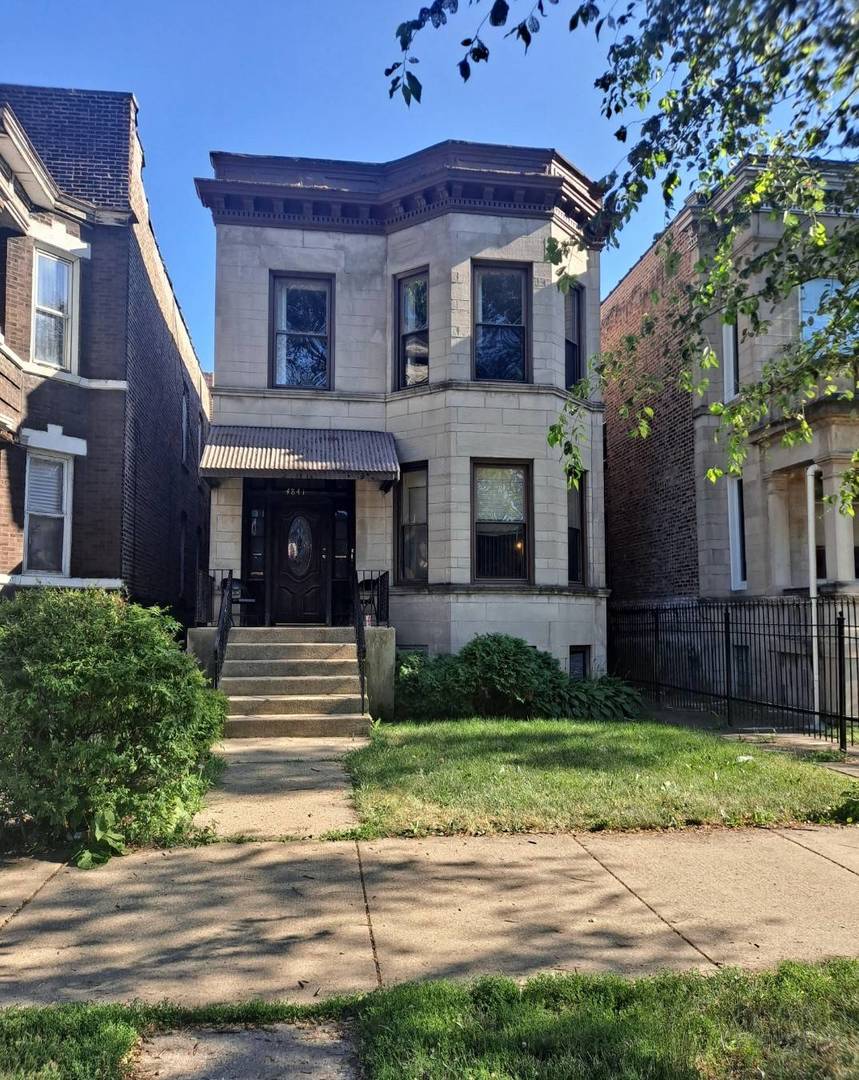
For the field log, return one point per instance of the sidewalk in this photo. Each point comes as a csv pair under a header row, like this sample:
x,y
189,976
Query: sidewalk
x,y
302,921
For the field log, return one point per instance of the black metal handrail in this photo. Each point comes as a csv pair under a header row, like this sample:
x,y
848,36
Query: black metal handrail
x,y
360,636
374,589
225,624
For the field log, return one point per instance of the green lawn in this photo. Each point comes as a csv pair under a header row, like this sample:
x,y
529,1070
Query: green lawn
x,y
798,1022
485,776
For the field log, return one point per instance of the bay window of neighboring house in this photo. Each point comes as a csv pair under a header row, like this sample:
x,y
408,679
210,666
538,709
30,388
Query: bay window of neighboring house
x,y
412,329
576,533
501,514
54,290
737,532
47,518
302,320
501,331
412,516
574,366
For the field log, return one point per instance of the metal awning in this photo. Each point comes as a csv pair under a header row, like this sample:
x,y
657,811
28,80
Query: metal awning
x,y
301,452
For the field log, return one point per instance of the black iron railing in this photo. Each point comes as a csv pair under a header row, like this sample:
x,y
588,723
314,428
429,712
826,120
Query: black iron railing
x,y
224,625
374,589
784,664
360,636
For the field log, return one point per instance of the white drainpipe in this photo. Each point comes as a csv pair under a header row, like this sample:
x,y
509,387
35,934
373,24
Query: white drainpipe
x,y
811,537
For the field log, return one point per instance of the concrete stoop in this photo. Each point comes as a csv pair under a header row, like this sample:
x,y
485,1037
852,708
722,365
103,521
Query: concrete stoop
x,y
293,682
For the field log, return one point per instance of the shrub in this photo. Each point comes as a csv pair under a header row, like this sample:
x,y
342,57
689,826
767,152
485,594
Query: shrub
x,y
105,723
499,675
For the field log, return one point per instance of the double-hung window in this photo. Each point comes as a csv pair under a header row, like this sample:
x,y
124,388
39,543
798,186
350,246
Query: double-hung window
x,y
731,359
501,514
574,368
302,333
576,533
501,307
186,426
52,309
47,501
412,525
811,295
413,329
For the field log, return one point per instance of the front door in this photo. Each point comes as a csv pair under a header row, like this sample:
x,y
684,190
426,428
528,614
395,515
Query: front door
x,y
302,565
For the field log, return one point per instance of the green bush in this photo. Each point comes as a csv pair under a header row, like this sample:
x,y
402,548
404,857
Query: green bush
x,y
105,723
499,675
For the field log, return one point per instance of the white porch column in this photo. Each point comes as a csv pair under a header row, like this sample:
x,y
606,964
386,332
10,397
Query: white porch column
x,y
779,530
838,527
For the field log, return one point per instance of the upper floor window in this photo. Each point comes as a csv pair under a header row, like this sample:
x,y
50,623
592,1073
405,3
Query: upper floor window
x,y
731,359
576,533
47,500
501,322
186,425
302,332
737,532
501,516
413,331
52,310
811,296
574,367
413,562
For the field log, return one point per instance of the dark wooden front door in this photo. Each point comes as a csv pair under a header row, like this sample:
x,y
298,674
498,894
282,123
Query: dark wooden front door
x,y
302,565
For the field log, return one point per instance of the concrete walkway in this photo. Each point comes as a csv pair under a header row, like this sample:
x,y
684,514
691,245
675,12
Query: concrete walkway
x,y
302,921
277,788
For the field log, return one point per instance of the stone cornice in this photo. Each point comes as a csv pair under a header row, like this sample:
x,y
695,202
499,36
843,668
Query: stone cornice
x,y
451,177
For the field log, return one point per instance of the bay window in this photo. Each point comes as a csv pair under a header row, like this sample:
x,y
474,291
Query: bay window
x,y
574,368
47,501
302,320
501,497
576,534
501,312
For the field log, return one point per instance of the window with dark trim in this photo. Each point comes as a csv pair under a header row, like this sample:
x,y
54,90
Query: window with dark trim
x,y
576,533
186,423
413,329
501,501
573,339
301,320
412,538
501,322
580,662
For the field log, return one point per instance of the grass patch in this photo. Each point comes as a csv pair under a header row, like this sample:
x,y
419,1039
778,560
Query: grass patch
x,y
793,1023
485,776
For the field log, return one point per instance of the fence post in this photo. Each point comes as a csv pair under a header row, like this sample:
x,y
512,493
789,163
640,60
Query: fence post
x,y
728,673
842,685
657,658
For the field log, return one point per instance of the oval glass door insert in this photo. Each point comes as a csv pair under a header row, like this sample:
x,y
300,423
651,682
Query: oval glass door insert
x,y
299,546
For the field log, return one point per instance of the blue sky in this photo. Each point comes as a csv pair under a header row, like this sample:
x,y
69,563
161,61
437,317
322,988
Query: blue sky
x,y
305,78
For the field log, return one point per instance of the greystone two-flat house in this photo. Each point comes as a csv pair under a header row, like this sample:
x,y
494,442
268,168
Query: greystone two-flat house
x,y
390,352
103,405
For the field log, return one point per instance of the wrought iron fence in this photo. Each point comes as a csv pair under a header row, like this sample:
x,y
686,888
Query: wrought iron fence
x,y
786,664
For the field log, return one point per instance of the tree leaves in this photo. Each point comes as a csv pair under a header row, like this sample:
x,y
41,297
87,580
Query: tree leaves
x,y
499,12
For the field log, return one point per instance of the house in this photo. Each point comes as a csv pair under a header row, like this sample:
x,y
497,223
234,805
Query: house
x,y
103,406
390,351
670,531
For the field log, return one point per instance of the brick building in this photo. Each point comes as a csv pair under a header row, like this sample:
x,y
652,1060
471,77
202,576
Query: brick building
x,y
103,406
672,533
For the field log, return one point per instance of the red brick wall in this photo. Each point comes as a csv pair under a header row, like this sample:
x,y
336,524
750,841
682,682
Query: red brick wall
x,y
651,531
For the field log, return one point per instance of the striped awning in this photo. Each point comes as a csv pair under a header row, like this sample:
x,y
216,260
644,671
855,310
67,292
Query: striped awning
x,y
302,452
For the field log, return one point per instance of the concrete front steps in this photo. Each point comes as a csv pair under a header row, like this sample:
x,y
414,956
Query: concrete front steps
x,y
300,681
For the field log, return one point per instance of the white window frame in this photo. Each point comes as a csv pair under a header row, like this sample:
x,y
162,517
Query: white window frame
x,y
730,359
735,539
68,462
70,341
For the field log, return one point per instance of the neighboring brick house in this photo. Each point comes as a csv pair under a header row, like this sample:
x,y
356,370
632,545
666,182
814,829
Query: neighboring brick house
x,y
391,349
103,406
672,533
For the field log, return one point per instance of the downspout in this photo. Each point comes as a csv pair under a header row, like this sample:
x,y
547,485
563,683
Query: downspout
x,y
811,540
